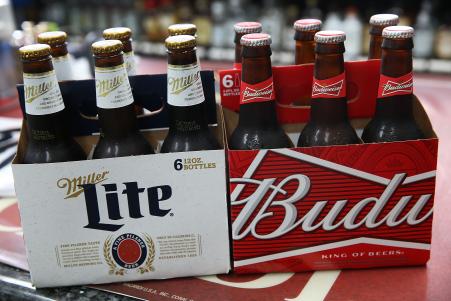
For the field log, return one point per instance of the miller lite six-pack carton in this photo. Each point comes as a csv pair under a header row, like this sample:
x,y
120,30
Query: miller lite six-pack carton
x,y
329,207
129,218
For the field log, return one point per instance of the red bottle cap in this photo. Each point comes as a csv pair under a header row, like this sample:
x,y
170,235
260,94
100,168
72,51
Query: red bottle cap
x,y
247,27
384,20
256,39
330,36
307,24
398,32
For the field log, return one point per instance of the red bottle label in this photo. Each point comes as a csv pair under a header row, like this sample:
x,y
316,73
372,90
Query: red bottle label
x,y
391,86
260,92
334,87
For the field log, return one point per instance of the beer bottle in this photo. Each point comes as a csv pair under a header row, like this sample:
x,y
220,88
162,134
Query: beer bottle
x,y
48,133
394,120
119,134
241,29
258,127
329,123
123,34
377,24
304,33
182,29
60,56
188,127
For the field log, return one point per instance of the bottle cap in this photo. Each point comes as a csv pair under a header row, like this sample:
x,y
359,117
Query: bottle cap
x,y
107,46
52,37
330,36
182,29
117,33
247,27
256,39
307,24
180,42
34,51
398,32
384,20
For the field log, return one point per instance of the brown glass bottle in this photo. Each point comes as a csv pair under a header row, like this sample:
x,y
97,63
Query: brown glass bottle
x,y
49,139
329,123
119,134
304,33
57,40
241,29
258,127
188,127
377,24
393,119
182,29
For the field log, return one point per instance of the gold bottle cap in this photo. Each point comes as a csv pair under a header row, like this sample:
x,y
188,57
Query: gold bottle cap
x,y
182,29
180,42
107,46
34,51
117,33
52,37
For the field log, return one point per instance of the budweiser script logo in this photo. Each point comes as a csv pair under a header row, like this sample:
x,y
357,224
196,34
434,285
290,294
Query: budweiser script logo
x,y
393,87
331,90
179,84
256,205
264,93
74,187
106,86
32,92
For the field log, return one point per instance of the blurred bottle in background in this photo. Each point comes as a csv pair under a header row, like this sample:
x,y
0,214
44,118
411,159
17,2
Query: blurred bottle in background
x,y
443,46
272,20
353,28
7,54
424,32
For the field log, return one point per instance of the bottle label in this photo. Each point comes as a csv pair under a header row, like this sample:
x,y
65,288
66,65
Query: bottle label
x,y
63,67
130,64
112,87
391,86
42,93
185,85
260,92
334,87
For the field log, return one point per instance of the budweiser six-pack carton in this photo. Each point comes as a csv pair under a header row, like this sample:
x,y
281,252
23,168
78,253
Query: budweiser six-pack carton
x,y
329,207
128,218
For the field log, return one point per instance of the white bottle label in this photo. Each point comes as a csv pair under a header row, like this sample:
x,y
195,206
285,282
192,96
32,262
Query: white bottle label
x,y
42,93
129,60
184,85
112,87
63,68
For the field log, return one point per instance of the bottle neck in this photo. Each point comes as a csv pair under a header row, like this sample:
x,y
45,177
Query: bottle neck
x,y
396,57
256,64
59,51
375,51
329,60
305,52
238,49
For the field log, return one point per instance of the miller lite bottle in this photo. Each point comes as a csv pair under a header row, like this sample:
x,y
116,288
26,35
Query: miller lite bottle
x,y
258,127
49,139
241,29
394,120
188,126
377,24
123,34
57,40
182,29
304,34
329,123
119,134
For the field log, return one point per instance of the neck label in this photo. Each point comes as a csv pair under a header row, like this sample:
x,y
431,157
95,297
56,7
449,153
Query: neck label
x,y
130,65
42,93
392,86
112,87
63,67
185,85
259,92
334,87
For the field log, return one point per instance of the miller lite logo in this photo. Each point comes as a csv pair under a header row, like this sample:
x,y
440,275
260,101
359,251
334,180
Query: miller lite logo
x,y
334,87
287,205
260,92
391,86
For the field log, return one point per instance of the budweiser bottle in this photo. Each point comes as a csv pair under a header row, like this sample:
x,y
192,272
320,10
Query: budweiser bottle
x,y
60,56
241,29
258,127
304,33
329,123
49,139
182,29
123,34
119,134
393,120
377,24
188,127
